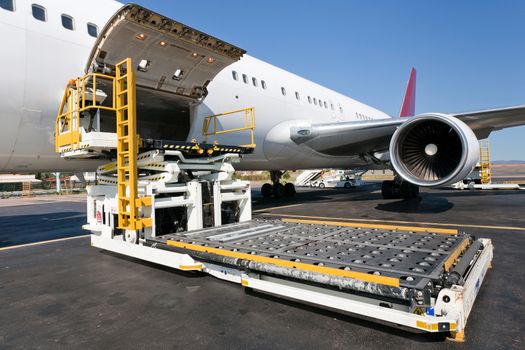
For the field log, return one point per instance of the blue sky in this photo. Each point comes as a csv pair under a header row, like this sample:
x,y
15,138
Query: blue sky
x,y
469,55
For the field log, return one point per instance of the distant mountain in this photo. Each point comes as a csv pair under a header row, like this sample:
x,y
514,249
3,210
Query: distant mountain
x,y
508,162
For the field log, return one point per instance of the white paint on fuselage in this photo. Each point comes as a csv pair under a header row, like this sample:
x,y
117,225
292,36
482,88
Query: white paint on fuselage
x,y
42,56
37,60
275,110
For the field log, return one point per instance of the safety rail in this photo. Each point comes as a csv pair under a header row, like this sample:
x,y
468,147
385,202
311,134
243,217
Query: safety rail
x,y
249,124
74,102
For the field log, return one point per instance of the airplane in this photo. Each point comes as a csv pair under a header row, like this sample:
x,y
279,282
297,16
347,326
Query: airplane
x,y
184,75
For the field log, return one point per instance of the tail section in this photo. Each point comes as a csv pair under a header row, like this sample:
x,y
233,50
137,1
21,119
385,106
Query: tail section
x,y
408,108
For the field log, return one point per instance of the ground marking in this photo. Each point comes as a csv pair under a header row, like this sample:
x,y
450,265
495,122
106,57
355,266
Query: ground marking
x,y
43,242
67,217
402,222
275,208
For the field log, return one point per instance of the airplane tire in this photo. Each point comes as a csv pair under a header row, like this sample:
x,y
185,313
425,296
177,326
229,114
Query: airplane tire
x,y
267,190
289,189
408,190
387,189
278,190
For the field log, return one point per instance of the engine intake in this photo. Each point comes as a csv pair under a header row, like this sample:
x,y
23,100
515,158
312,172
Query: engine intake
x,y
434,150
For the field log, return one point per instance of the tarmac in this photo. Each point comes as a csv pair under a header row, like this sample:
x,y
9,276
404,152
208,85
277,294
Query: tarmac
x,y
58,292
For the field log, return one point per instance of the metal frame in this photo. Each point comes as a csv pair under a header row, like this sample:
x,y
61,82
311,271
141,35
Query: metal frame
x,y
450,312
249,124
68,134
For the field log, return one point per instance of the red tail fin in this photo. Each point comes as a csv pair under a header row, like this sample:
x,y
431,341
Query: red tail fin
x,y
408,109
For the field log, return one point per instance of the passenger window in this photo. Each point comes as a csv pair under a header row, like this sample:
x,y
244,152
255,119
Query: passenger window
x,y
254,81
67,22
309,99
8,5
325,105
39,13
283,91
235,76
297,95
315,101
245,78
341,109
263,84
92,30
332,106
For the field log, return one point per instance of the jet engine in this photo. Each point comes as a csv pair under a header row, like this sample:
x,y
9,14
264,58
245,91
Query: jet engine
x,y
434,150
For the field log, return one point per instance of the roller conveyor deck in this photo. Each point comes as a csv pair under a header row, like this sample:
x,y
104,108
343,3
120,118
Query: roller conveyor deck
x,y
413,258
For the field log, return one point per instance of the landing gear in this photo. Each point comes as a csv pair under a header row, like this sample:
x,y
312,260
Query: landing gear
x,y
267,190
276,188
289,189
398,188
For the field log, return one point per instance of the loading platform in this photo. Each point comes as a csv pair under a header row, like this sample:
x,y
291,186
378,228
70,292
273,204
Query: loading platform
x,y
416,278
177,203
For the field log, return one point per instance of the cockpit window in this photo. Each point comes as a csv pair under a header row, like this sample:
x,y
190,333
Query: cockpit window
x,y
67,22
39,12
8,5
92,30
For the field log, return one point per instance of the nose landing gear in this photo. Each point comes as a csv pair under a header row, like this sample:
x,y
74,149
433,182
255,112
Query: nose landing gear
x,y
276,188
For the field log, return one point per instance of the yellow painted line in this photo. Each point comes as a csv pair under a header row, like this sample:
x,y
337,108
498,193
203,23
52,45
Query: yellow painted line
x,y
389,281
275,208
454,256
191,267
385,227
43,242
511,228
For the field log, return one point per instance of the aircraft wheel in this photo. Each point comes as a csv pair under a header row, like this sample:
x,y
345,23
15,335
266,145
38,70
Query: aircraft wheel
x,y
289,189
387,189
267,190
278,190
408,190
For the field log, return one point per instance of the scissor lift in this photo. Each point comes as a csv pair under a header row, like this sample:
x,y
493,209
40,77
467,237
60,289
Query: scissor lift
x,y
175,203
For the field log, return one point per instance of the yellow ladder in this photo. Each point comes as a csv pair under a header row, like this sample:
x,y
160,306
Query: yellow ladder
x,y
127,150
484,160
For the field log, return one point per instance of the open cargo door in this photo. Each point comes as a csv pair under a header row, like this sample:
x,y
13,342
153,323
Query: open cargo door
x,y
169,56
173,66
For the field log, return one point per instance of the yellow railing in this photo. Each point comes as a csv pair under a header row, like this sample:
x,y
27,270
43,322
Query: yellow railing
x,y
74,102
249,124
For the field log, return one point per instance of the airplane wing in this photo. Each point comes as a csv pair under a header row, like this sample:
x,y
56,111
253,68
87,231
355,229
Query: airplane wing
x,y
367,137
486,121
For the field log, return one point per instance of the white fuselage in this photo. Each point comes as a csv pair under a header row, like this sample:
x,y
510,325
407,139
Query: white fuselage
x,y
40,57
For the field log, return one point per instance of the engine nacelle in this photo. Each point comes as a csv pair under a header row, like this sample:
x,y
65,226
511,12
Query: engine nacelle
x,y
434,150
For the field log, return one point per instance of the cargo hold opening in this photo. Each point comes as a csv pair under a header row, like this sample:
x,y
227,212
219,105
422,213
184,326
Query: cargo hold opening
x,y
160,115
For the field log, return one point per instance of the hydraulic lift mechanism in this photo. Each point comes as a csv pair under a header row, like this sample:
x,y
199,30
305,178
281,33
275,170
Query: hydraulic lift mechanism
x,y
176,203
